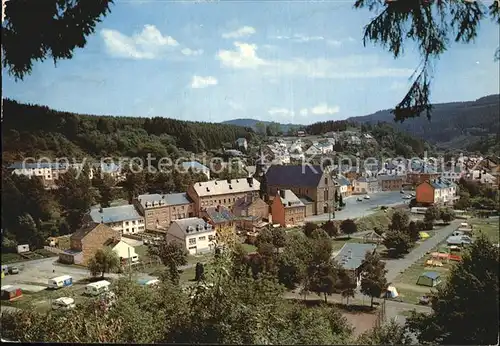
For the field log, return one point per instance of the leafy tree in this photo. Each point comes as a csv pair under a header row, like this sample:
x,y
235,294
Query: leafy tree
x,y
260,127
399,221
75,196
135,182
308,228
105,184
413,231
346,284
330,228
50,29
323,277
431,214
173,255
341,201
348,227
447,215
373,281
397,242
391,333
293,260
265,236
320,234
278,237
465,308
200,272
104,261
432,25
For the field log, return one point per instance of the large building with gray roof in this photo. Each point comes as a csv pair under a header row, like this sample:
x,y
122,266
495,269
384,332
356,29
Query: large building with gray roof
x,y
125,218
195,234
351,257
221,192
160,210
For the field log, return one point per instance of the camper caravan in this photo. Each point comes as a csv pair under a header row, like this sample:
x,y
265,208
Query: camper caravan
x,y
97,288
60,281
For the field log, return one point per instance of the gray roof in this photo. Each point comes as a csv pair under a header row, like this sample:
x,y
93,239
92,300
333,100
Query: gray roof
x,y
194,165
193,225
352,255
164,200
224,187
390,177
290,200
115,214
294,175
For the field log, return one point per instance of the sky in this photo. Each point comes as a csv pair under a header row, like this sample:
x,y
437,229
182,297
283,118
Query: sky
x,y
286,61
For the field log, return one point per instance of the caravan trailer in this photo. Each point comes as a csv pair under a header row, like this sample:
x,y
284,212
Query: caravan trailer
x,y
60,281
97,288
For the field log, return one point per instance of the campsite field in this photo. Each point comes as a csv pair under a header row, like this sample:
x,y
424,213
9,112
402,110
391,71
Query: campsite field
x,y
489,227
406,283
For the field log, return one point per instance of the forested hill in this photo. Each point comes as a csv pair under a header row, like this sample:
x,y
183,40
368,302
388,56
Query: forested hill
x,y
32,130
455,125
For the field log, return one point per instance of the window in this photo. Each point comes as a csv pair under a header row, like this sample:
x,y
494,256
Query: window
x,y
326,181
126,230
202,238
326,195
126,223
224,201
192,241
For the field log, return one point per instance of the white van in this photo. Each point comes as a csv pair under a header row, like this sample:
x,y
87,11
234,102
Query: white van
x,y
60,281
63,303
97,288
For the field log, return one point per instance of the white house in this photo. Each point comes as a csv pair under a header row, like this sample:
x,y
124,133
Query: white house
x,y
124,218
197,167
194,233
124,251
241,143
313,150
365,185
326,147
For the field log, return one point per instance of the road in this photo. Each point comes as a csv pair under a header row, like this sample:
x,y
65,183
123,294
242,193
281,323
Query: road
x,y
354,209
396,266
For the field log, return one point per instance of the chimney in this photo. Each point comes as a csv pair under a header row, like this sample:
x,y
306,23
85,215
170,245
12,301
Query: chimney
x,y
100,210
282,193
229,181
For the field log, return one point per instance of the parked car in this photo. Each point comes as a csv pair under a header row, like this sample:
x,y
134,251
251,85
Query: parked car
x,y
13,270
63,303
424,300
407,197
402,191
367,197
359,199
459,240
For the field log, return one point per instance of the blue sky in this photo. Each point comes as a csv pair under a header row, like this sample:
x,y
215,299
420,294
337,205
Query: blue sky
x,y
295,61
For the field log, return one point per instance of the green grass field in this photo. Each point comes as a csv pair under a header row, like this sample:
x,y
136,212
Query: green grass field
x,y
490,228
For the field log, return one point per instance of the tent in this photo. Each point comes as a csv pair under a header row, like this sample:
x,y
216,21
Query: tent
x,y
391,292
429,279
423,235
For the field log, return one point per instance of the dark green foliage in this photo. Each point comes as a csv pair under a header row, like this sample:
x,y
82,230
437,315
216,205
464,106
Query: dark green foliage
x,y
348,227
431,214
199,272
330,228
447,215
373,281
49,29
397,243
172,255
399,220
391,333
74,135
431,25
465,308
308,228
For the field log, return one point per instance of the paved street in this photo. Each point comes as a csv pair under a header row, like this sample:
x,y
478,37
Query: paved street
x,y
354,209
396,266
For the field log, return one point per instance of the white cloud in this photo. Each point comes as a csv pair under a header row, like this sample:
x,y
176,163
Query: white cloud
x,y
304,112
199,82
150,43
303,38
323,109
244,56
334,43
281,112
191,52
234,105
356,66
241,32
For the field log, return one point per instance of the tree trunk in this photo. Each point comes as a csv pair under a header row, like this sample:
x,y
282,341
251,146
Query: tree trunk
x,y
325,299
371,302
